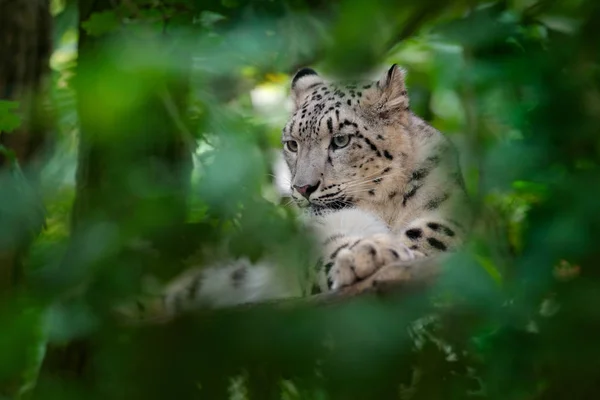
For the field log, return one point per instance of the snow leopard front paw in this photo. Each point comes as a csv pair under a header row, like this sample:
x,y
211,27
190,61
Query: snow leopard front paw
x,y
362,258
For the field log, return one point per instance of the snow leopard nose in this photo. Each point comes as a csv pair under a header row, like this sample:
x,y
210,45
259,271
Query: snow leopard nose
x,y
307,190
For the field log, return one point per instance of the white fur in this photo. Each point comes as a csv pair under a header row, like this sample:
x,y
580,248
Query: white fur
x,y
261,281
283,176
349,222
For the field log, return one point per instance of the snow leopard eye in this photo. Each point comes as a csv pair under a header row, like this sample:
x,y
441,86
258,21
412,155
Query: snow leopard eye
x,y
291,145
339,142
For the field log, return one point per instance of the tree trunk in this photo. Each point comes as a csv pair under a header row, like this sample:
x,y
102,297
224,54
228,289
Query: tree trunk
x,y
133,172
25,45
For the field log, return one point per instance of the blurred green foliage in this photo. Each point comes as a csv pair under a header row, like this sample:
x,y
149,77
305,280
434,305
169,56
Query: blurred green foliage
x,y
9,120
168,116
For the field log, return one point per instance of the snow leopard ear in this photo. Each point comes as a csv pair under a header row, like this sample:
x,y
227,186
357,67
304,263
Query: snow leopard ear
x,y
393,103
304,80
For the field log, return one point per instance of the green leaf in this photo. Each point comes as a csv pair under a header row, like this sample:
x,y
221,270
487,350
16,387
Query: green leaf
x,y
9,119
490,268
22,345
8,153
101,23
230,3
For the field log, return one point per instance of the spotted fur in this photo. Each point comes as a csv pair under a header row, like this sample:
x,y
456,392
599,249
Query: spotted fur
x,y
395,167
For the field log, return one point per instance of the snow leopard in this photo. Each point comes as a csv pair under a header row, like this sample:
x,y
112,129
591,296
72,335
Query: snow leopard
x,y
376,184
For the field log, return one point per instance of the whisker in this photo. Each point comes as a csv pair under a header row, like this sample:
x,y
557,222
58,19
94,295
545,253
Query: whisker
x,y
283,178
371,179
364,178
373,176
357,187
289,203
359,191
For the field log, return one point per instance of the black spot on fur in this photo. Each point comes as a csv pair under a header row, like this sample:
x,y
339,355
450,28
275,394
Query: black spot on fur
x,y
302,73
419,174
392,195
336,251
389,73
395,254
436,201
441,228
194,286
354,244
328,195
433,225
238,276
414,233
373,147
436,244
329,282
330,125
410,194
434,159
332,238
387,155
448,231
372,192
327,267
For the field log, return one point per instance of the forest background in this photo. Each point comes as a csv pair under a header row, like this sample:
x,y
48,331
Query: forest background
x,y
136,135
